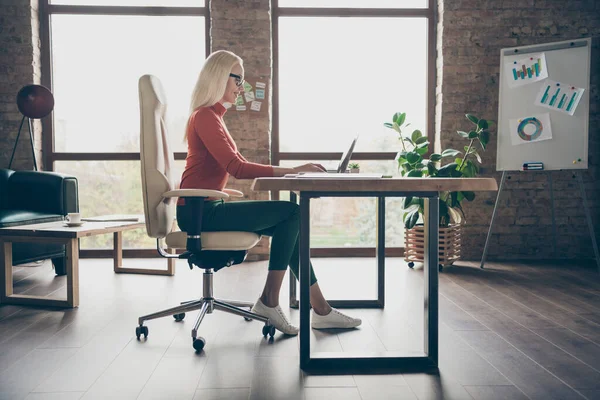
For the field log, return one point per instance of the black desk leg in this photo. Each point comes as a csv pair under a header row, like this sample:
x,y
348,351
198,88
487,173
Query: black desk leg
x,y
293,298
430,278
380,251
304,280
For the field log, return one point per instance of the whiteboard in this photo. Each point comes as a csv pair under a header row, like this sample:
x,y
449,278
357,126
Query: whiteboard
x,y
568,63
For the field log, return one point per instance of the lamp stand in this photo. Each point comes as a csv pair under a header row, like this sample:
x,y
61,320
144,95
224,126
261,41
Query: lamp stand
x,y
17,142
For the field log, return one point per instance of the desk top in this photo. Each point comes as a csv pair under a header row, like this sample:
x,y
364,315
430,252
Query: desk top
x,y
375,184
59,229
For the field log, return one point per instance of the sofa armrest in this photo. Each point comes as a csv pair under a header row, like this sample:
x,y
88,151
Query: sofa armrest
x,y
47,192
4,176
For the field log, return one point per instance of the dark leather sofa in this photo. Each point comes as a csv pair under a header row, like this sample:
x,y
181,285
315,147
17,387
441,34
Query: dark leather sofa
x,y
28,197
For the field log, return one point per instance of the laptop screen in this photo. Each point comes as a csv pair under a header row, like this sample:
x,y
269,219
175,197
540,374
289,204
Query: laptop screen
x,y
345,160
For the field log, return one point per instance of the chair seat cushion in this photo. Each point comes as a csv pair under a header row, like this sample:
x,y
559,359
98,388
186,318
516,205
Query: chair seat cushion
x,y
25,217
216,240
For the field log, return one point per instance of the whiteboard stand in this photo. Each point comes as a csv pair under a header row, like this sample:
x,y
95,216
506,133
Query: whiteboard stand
x,y
549,177
588,217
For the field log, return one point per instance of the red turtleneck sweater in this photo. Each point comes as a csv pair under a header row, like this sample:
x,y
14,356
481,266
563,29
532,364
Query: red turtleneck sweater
x,y
212,153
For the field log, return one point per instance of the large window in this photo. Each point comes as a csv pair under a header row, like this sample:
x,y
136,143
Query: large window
x,y
96,51
342,72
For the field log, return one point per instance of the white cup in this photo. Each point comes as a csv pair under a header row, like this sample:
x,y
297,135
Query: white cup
x,y
74,218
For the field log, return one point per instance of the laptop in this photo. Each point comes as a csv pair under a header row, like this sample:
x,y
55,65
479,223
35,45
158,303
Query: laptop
x,y
340,171
345,160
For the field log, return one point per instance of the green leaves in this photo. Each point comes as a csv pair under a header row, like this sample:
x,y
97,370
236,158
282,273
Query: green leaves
x,y
444,216
470,196
453,199
450,153
416,135
472,118
411,219
469,169
435,157
413,157
411,163
484,138
399,118
446,170
422,150
431,169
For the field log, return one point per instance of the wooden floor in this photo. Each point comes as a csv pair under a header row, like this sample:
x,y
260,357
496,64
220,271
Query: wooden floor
x,y
512,331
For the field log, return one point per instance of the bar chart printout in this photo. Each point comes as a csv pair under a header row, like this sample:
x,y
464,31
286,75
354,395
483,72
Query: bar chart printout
x,y
526,70
559,96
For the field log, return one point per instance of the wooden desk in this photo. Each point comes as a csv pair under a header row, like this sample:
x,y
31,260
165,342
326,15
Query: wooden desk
x,y
427,188
57,232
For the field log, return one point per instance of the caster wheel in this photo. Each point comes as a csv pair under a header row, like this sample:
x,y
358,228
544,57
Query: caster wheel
x,y
179,317
411,264
246,318
141,330
441,268
268,330
199,343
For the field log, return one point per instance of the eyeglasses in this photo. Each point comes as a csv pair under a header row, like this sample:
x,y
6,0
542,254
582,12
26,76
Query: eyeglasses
x,y
239,81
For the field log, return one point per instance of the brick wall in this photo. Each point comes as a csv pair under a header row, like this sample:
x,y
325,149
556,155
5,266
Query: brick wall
x,y
473,34
244,27
19,66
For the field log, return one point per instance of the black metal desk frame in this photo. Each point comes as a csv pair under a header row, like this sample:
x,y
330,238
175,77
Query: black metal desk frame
x,y
355,363
379,302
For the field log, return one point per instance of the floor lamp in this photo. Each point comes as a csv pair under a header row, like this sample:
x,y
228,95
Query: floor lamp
x,y
34,102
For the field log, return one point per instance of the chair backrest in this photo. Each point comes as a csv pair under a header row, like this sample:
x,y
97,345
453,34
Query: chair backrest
x,y
157,159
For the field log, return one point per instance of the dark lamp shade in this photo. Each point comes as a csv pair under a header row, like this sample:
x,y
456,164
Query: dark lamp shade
x,y
35,101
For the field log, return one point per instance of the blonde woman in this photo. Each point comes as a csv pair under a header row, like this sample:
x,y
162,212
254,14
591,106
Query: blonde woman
x,y
213,156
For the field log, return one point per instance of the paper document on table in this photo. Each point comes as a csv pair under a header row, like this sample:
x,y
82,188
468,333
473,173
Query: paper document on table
x,y
326,175
113,218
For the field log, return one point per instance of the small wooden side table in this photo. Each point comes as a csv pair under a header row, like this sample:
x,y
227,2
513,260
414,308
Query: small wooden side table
x,y
58,232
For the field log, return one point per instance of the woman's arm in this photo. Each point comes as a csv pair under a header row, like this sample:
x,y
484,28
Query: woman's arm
x,y
219,144
281,171
310,167
216,140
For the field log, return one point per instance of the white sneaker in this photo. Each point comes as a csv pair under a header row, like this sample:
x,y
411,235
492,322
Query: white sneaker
x,y
276,317
335,319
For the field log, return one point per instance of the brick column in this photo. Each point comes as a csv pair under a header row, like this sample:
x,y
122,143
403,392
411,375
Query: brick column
x,y
244,27
19,66
473,34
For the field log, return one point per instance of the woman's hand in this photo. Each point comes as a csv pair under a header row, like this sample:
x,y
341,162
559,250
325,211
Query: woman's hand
x,y
310,167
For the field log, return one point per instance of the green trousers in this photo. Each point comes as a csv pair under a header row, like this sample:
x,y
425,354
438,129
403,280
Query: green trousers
x,y
278,219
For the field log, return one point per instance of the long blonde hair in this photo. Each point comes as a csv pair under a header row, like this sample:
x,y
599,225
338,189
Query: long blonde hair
x,y
212,80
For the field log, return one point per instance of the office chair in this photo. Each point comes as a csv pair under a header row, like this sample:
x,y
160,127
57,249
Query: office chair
x,y
209,251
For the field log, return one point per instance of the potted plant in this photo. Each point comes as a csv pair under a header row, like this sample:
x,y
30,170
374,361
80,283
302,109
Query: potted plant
x,y
412,163
354,168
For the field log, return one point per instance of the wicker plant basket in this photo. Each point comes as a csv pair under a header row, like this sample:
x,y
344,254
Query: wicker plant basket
x,y
450,244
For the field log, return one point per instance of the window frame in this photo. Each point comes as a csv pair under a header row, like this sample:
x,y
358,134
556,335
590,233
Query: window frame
x,y
430,13
46,10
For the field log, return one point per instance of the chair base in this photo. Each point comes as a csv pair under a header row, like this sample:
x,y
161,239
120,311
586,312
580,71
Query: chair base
x,y
207,304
